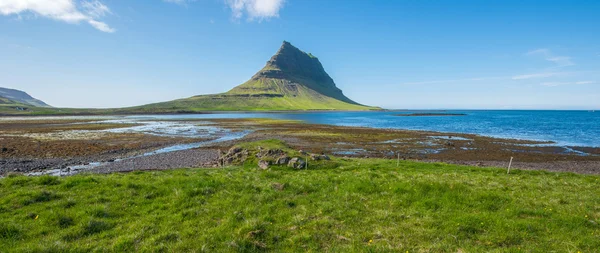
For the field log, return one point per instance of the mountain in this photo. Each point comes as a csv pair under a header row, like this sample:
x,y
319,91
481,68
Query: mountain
x,y
291,80
19,98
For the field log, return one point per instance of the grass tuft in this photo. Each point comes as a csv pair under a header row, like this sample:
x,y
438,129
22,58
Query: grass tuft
x,y
9,232
48,180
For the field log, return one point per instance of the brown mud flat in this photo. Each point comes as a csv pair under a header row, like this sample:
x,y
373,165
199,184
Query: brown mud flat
x,y
28,146
33,145
453,148
193,158
33,127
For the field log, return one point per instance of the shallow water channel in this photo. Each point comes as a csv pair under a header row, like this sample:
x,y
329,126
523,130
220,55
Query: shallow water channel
x,y
161,128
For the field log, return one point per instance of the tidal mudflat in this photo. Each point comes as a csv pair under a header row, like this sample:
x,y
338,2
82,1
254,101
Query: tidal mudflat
x,y
63,145
67,145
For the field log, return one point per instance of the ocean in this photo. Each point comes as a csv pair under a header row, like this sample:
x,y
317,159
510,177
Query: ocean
x,y
565,128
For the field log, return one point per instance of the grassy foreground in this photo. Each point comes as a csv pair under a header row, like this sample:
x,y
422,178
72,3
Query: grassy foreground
x,y
354,205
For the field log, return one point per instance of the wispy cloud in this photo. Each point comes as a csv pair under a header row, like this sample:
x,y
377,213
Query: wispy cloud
x,y
20,46
180,2
454,80
539,75
95,9
553,84
62,10
560,61
255,9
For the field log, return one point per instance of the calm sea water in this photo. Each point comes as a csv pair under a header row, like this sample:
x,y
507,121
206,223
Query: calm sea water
x,y
567,128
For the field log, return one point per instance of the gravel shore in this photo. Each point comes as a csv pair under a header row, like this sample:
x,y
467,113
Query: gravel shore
x,y
179,159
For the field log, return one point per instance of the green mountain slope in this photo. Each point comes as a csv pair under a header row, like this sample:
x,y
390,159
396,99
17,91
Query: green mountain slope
x,y
14,102
291,80
20,97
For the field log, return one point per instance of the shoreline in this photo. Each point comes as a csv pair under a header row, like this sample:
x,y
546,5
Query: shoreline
x,y
341,141
529,140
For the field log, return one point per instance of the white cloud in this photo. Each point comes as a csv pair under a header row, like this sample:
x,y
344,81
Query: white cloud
x,y
252,9
101,26
95,8
553,84
538,75
181,2
454,80
62,10
560,61
255,9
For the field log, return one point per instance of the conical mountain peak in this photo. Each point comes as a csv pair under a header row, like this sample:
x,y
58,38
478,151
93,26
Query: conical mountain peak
x,y
291,80
287,73
289,61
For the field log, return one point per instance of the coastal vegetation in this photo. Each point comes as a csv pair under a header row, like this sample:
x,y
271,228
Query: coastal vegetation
x,y
343,204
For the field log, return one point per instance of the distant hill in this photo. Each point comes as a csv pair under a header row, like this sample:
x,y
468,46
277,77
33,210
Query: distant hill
x,y
17,97
291,80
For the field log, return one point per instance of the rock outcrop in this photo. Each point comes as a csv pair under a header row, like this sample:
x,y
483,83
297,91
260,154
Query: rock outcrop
x,y
297,163
268,157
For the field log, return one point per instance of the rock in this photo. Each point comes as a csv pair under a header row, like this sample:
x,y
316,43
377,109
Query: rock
x,y
269,153
325,157
283,160
297,163
302,152
235,155
263,164
234,150
314,157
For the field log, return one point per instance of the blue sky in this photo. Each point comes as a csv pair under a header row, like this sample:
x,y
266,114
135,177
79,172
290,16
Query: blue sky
x,y
394,54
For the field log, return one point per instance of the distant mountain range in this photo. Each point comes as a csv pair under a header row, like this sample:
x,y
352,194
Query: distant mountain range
x,y
19,98
292,80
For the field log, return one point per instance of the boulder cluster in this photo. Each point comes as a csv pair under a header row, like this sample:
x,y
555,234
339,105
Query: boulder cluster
x,y
235,155
267,157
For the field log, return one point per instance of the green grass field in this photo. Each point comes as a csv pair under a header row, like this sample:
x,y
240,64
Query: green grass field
x,y
355,205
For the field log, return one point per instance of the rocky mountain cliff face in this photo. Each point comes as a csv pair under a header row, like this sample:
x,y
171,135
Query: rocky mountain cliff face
x,y
287,69
17,96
